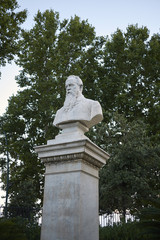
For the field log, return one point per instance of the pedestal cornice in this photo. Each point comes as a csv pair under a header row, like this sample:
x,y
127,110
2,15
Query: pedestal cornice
x,y
84,150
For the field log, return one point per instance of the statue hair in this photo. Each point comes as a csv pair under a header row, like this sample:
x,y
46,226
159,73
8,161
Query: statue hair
x,y
77,80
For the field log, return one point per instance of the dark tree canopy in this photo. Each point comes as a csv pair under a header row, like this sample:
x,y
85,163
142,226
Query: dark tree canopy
x,y
132,172
10,21
121,72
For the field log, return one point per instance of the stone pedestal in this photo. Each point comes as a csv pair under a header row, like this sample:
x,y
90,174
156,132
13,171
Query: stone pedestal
x,y
70,208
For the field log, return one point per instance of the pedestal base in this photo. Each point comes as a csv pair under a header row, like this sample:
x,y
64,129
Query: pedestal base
x,y
70,208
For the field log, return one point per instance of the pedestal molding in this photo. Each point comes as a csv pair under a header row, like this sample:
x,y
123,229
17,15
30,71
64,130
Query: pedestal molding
x,y
73,157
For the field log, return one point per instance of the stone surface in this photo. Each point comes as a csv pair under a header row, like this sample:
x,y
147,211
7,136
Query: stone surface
x,y
63,152
77,107
72,161
70,210
70,132
69,203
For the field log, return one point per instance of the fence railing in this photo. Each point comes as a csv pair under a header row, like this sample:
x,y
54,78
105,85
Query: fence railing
x,y
24,212
114,218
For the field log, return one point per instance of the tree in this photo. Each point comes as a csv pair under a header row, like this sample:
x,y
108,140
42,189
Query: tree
x,y
132,173
152,98
130,76
115,72
130,86
50,51
10,22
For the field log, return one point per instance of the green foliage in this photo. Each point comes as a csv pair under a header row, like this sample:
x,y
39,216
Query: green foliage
x,y
125,231
23,202
19,229
29,227
10,230
132,172
149,223
130,76
121,72
10,21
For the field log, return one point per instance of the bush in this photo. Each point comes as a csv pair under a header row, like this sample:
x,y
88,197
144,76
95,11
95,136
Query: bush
x,y
149,223
11,230
123,231
18,229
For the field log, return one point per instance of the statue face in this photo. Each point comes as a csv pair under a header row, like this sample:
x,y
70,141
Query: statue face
x,y
72,87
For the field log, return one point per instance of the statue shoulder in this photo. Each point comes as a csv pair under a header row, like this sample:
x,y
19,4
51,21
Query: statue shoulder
x,y
92,103
58,116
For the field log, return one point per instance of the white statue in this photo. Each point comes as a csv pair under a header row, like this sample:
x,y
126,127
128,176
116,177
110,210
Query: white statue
x,y
76,107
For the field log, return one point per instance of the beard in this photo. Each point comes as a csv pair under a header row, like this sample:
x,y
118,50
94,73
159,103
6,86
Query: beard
x,y
70,101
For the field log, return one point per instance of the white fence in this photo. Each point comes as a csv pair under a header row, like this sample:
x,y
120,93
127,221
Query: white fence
x,y
114,218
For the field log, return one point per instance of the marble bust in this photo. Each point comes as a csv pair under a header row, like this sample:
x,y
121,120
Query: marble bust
x,y
76,107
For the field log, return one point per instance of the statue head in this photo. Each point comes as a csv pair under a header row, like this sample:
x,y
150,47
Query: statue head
x,y
74,85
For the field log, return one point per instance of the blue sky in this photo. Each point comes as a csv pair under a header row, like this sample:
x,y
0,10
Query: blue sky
x,y
105,15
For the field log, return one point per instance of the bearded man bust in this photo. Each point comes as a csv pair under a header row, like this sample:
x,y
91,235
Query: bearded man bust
x,y
76,107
